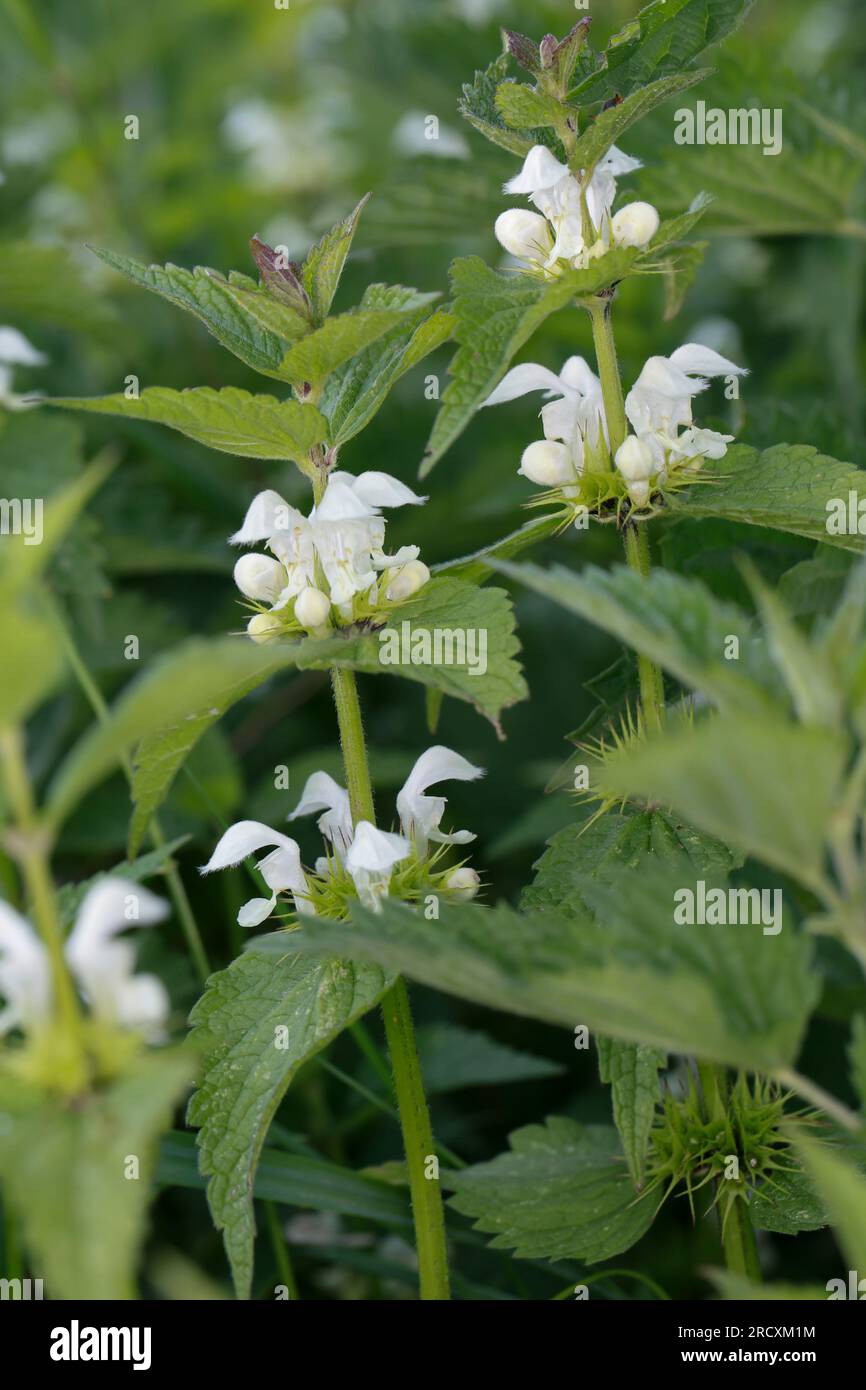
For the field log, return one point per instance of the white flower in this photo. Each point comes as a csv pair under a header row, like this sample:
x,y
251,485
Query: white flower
x,y
16,350
637,464
575,411
341,541
634,225
349,532
281,869
548,463
263,628
661,398
371,859
463,883
103,967
322,793
260,577
419,814
407,581
555,191
525,235
312,608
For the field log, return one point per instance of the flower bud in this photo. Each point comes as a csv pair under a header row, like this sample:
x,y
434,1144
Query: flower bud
x,y
547,463
639,493
634,460
312,608
263,628
408,580
260,577
634,225
547,50
524,234
463,883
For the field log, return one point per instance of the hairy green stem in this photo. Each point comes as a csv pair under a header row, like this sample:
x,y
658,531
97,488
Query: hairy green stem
x,y
608,370
427,1209
177,891
738,1243
652,689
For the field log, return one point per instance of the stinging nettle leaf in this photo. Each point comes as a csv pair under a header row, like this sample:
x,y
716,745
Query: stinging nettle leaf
x,y
354,393
562,1192
789,487
524,108
611,955
260,1020
323,267
664,38
610,125
212,300
229,420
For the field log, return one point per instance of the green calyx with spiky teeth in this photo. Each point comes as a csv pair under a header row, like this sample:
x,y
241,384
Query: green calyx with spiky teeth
x,y
737,1153
332,893
604,495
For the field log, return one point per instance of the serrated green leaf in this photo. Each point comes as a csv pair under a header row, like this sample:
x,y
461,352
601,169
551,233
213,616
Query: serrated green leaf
x,y
339,339
523,108
608,955
610,125
477,105
230,420
632,1072
665,37
674,621
206,294
495,315
562,1192
250,1063
451,612
787,1205
323,267
737,777
63,1172
354,394
274,315
786,487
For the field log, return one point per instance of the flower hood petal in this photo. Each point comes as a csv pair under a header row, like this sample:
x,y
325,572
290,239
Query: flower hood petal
x,y
375,851
529,376
541,169
694,358
242,839
267,515
322,793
